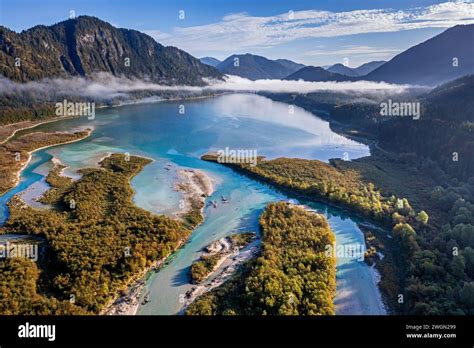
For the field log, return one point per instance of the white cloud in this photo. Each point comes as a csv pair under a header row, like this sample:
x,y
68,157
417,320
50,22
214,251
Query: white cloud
x,y
354,51
356,54
105,86
240,84
102,86
242,31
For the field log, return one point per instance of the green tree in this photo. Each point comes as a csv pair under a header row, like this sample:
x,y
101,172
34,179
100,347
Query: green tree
x,y
422,217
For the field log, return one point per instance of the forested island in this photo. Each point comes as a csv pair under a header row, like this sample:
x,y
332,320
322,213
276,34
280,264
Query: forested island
x,y
97,241
291,276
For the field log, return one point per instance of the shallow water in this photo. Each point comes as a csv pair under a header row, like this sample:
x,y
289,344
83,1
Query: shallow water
x,y
238,121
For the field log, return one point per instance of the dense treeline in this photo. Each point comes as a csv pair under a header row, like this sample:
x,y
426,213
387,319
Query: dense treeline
x,y
226,299
18,294
37,106
445,126
442,268
442,139
201,268
99,239
59,183
438,264
292,276
438,148
316,179
19,113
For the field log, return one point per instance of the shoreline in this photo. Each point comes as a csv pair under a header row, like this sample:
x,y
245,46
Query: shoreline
x,y
129,302
31,195
135,102
374,273
224,248
9,137
195,186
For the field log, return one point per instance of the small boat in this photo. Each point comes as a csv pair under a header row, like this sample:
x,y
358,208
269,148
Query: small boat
x,y
224,200
214,204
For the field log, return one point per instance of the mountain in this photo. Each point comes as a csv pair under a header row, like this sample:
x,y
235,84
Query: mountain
x,y
312,73
210,61
86,45
431,62
362,70
255,67
366,68
290,64
342,70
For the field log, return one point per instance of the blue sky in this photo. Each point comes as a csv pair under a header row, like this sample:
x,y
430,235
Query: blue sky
x,y
317,32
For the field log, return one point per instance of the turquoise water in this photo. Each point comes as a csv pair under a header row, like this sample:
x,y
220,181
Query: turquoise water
x,y
29,176
238,121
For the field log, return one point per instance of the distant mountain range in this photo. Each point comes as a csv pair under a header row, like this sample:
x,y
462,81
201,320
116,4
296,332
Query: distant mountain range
x,y
433,61
343,70
290,65
316,74
255,67
362,70
210,61
443,58
366,68
86,45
